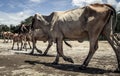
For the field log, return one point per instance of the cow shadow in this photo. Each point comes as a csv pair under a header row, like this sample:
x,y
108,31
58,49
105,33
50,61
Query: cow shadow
x,y
72,67
42,55
27,53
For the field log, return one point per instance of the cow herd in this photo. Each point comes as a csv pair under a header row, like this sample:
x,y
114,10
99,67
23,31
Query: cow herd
x,y
78,24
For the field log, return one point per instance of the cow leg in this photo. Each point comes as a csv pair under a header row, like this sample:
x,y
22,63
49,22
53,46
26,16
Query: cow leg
x,y
21,45
59,46
48,47
7,40
18,45
116,40
93,48
25,46
13,45
29,44
96,45
10,40
33,43
25,43
4,39
38,50
56,59
60,53
31,53
34,46
108,33
115,47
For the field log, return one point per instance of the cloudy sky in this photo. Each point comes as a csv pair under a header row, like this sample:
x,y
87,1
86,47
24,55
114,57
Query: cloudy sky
x,y
14,11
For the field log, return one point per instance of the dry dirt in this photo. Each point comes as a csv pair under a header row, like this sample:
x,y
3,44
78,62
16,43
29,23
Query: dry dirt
x,y
19,63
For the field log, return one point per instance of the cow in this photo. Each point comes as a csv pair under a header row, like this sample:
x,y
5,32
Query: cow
x,y
20,38
25,30
7,36
17,38
27,39
78,24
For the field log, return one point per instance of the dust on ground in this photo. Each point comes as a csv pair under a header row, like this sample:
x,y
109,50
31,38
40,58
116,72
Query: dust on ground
x,y
19,63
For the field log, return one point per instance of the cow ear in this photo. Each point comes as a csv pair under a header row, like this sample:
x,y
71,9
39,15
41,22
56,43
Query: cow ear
x,y
39,18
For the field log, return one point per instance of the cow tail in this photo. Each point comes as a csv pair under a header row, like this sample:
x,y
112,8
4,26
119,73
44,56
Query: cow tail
x,y
67,44
114,14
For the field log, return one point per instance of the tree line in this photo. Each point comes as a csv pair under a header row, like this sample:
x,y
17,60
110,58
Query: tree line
x,y
13,28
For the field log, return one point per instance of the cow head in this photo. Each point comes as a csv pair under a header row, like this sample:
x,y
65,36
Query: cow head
x,y
38,22
23,28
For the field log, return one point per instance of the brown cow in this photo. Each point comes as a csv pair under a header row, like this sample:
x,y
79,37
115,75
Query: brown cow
x,y
20,38
17,38
7,36
25,31
79,24
26,39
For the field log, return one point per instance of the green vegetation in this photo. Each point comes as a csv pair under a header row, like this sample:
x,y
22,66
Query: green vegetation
x,y
13,28
28,20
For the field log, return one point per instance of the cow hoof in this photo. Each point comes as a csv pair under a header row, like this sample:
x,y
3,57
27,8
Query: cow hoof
x,y
44,54
39,51
30,47
69,59
31,53
55,63
82,67
117,70
20,49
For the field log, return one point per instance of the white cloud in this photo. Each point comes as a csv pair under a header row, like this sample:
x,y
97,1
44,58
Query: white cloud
x,y
36,1
14,18
82,3
118,6
112,2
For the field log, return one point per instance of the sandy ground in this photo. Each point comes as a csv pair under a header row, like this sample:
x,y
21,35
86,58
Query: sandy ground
x,y
18,63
